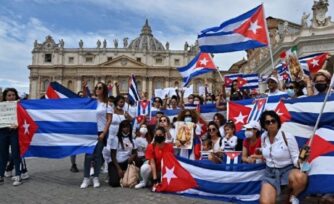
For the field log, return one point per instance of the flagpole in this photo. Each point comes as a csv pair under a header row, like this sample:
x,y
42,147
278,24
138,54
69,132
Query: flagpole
x,y
321,111
268,38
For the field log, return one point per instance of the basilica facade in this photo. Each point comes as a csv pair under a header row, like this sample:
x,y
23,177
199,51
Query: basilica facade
x,y
153,63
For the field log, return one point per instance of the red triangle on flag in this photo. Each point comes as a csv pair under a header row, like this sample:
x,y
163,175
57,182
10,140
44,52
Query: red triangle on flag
x,y
174,177
232,154
205,60
140,118
228,81
254,27
238,114
26,129
316,63
282,112
320,147
241,82
51,93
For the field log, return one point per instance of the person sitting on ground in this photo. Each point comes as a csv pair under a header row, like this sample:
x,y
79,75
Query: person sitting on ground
x,y
154,153
252,142
281,153
123,151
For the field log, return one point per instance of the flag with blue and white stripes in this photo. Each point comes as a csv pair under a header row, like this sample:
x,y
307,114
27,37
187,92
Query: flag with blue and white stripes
x,y
246,81
133,90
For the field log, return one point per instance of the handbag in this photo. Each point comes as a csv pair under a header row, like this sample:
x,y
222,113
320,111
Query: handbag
x,y
131,176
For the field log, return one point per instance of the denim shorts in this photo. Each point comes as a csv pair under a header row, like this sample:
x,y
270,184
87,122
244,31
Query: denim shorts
x,y
277,177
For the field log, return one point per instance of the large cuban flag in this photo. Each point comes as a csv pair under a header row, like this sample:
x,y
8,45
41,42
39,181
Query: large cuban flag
x,y
56,90
57,128
240,33
201,64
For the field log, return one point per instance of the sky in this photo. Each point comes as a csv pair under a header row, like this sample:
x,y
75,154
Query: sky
x,y
176,21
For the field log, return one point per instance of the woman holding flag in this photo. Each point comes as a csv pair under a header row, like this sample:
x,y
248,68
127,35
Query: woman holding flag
x,y
104,112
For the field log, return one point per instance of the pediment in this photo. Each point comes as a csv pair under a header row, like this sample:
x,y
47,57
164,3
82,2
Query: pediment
x,y
122,61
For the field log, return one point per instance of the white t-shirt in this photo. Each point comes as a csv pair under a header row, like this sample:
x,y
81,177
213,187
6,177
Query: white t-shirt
x,y
102,109
221,131
116,120
141,144
217,147
276,93
229,144
122,154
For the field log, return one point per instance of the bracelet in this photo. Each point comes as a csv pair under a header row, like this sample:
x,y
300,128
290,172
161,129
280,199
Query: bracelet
x,y
309,86
155,181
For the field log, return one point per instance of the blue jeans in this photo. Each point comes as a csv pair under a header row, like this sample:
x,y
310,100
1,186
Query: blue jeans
x,y
9,137
94,159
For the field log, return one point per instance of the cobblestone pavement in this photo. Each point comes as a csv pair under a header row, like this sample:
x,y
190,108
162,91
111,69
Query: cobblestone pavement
x,y
51,182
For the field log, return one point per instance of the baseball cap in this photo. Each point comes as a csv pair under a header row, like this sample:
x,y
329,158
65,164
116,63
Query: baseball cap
x,y
253,124
272,78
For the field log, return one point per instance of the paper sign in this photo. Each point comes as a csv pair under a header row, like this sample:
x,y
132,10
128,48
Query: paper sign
x,y
8,116
201,90
188,91
159,93
184,135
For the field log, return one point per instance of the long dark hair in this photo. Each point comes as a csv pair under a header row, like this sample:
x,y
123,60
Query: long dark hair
x,y
162,130
216,126
123,124
117,99
5,92
104,92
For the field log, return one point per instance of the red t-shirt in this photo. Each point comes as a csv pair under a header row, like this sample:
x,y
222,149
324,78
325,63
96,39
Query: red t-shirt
x,y
157,153
251,148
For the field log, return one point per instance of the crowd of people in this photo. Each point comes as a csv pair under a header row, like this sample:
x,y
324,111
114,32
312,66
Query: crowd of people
x,y
121,142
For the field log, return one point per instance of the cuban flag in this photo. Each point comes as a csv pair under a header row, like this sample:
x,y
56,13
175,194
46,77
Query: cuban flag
x,y
57,128
201,64
313,63
144,108
258,108
133,90
244,32
56,90
245,81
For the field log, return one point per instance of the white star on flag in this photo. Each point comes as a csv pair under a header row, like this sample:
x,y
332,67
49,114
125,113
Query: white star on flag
x,y
169,174
254,26
315,62
26,127
204,61
279,113
240,118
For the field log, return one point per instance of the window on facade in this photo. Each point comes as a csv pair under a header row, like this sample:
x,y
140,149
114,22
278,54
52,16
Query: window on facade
x,y
176,61
71,60
48,58
124,86
158,61
89,59
70,85
45,85
138,59
158,84
109,58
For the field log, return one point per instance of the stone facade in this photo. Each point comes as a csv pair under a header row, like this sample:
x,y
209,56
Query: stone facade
x,y
153,64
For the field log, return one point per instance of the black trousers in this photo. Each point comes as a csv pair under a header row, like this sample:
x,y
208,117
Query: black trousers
x,y
113,173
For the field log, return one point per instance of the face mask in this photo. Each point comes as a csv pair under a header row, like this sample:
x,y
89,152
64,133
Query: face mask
x,y
249,134
291,92
196,102
143,130
187,119
208,102
159,139
321,87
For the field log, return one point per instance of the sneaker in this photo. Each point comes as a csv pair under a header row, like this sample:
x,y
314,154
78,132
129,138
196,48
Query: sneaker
x,y
141,184
294,200
85,183
25,176
74,168
96,182
17,181
8,174
2,180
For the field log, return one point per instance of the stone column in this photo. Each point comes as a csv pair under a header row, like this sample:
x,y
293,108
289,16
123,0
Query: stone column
x,y
143,85
34,87
78,84
150,88
167,82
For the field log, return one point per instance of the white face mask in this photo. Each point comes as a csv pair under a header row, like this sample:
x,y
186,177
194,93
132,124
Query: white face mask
x,y
196,102
187,119
248,134
143,130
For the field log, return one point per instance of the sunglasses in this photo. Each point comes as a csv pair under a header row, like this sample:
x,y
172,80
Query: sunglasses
x,y
162,121
212,129
98,88
290,87
268,122
159,135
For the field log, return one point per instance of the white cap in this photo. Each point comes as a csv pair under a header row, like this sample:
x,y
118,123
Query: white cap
x,y
272,78
253,124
